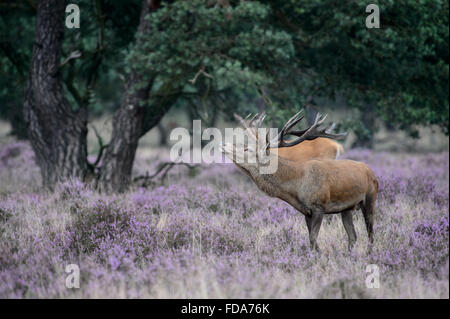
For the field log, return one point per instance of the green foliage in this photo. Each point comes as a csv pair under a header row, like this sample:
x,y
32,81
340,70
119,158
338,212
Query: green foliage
x,y
401,68
106,28
205,54
93,79
200,49
16,41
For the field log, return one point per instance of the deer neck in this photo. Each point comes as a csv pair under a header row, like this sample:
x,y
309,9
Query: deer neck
x,y
283,182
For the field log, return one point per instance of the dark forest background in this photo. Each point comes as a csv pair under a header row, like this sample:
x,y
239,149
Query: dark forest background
x,y
209,58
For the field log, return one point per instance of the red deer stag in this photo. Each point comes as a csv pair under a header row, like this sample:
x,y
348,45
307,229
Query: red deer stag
x,y
314,187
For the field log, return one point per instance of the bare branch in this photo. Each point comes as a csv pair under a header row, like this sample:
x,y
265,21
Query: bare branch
x,y
72,56
101,145
163,168
201,72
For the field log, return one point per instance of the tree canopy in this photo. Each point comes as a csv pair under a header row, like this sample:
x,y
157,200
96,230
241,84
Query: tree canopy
x,y
402,67
294,50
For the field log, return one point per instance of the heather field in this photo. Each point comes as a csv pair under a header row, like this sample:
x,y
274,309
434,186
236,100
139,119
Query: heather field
x,y
208,232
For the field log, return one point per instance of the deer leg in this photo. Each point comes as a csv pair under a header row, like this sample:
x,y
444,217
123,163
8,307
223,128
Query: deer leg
x,y
347,220
313,222
308,222
368,209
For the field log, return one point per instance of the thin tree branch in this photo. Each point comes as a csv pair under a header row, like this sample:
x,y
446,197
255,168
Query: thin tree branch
x,y
101,144
201,72
72,56
93,166
163,168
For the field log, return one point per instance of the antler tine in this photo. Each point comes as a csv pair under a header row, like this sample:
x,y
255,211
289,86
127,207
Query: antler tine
x,y
247,125
289,124
238,118
338,136
244,122
292,121
327,131
330,128
301,132
254,118
318,120
255,123
261,119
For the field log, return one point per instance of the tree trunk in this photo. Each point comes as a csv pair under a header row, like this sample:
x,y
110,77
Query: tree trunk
x,y
133,119
115,172
57,133
163,136
368,116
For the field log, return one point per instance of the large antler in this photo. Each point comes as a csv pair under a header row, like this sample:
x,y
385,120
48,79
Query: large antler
x,y
286,128
312,133
252,124
338,136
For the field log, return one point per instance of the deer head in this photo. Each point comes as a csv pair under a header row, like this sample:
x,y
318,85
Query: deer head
x,y
251,156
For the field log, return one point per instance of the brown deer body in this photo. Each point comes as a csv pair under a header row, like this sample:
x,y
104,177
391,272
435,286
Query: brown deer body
x,y
316,187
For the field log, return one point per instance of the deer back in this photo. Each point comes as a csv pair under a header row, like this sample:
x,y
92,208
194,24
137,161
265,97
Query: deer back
x,y
321,147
